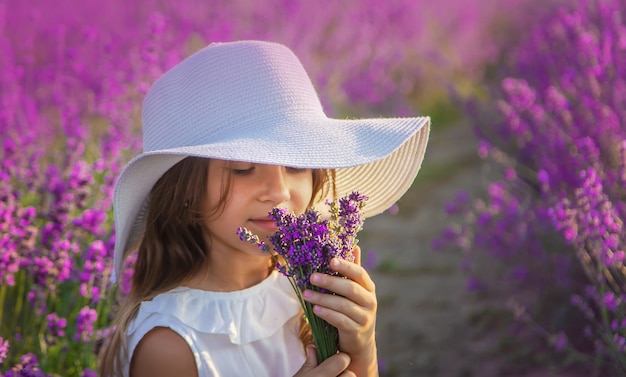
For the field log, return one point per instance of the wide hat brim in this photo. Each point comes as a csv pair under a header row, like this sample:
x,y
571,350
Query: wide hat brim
x,y
377,157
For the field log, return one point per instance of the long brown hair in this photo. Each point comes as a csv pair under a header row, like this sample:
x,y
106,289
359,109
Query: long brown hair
x,y
174,248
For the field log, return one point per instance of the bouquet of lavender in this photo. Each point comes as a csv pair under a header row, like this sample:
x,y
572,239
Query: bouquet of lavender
x,y
306,244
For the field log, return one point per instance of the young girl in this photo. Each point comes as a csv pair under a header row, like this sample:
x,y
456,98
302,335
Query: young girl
x,y
231,132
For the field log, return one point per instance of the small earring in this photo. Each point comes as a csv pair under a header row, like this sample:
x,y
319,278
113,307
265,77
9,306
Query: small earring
x,y
187,203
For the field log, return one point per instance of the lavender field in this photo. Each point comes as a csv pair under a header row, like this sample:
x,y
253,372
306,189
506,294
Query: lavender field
x,y
517,213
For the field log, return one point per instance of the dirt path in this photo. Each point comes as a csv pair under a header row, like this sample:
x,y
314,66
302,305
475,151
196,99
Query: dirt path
x,y
424,311
428,324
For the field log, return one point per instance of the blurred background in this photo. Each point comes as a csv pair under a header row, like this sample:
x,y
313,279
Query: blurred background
x,y
505,258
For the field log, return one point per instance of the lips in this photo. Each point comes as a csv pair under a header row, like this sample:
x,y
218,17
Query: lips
x,y
265,224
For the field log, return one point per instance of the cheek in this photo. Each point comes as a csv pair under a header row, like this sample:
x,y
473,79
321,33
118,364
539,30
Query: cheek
x,y
214,200
212,196
305,193
210,200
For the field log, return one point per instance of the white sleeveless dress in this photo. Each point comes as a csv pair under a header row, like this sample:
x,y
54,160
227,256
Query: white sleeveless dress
x,y
251,332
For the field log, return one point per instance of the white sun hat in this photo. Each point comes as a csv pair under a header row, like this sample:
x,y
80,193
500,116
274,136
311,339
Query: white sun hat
x,y
253,101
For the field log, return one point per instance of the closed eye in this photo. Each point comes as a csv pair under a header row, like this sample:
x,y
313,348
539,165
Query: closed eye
x,y
246,171
297,170
241,168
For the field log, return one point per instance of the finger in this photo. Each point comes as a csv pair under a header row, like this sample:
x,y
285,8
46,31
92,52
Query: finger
x,y
334,365
347,288
353,272
357,255
337,319
359,315
311,357
347,373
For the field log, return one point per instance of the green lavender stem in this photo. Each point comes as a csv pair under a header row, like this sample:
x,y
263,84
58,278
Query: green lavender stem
x,y
324,335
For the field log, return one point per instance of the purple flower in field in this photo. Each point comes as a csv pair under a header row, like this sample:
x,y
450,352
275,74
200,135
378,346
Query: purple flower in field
x,y
370,261
104,333
560,139
41,267
610,301
92,272
56,325
394,209
382,366
4,349
29,360
473,284
449,237
620,342
84,324
28,367
79,181
127,274
559,341
617,325
458,204
91,220
519,273
483,149
25,371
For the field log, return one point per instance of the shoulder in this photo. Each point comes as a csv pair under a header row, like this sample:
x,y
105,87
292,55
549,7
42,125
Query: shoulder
x,y
161,353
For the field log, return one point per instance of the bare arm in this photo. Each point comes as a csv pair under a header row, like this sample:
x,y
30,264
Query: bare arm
x,y
162,353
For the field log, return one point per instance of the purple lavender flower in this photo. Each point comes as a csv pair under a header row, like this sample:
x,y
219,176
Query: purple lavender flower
x,y
559,136
28,367
306,244
370,262
93,270
56,325
559,341
347,221
29,360
25,371
91,220
458,204
127,274
84,324
4,349
610,301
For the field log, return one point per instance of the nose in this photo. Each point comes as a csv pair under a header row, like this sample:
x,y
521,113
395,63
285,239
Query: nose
x,y
275,187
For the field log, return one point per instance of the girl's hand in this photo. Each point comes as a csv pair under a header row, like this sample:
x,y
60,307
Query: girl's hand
x,y
352,310
333,366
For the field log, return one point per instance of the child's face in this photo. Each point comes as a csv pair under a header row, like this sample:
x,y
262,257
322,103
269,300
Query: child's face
x,y
254,190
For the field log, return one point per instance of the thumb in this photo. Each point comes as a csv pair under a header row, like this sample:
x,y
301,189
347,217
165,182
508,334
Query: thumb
x,y
311,358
